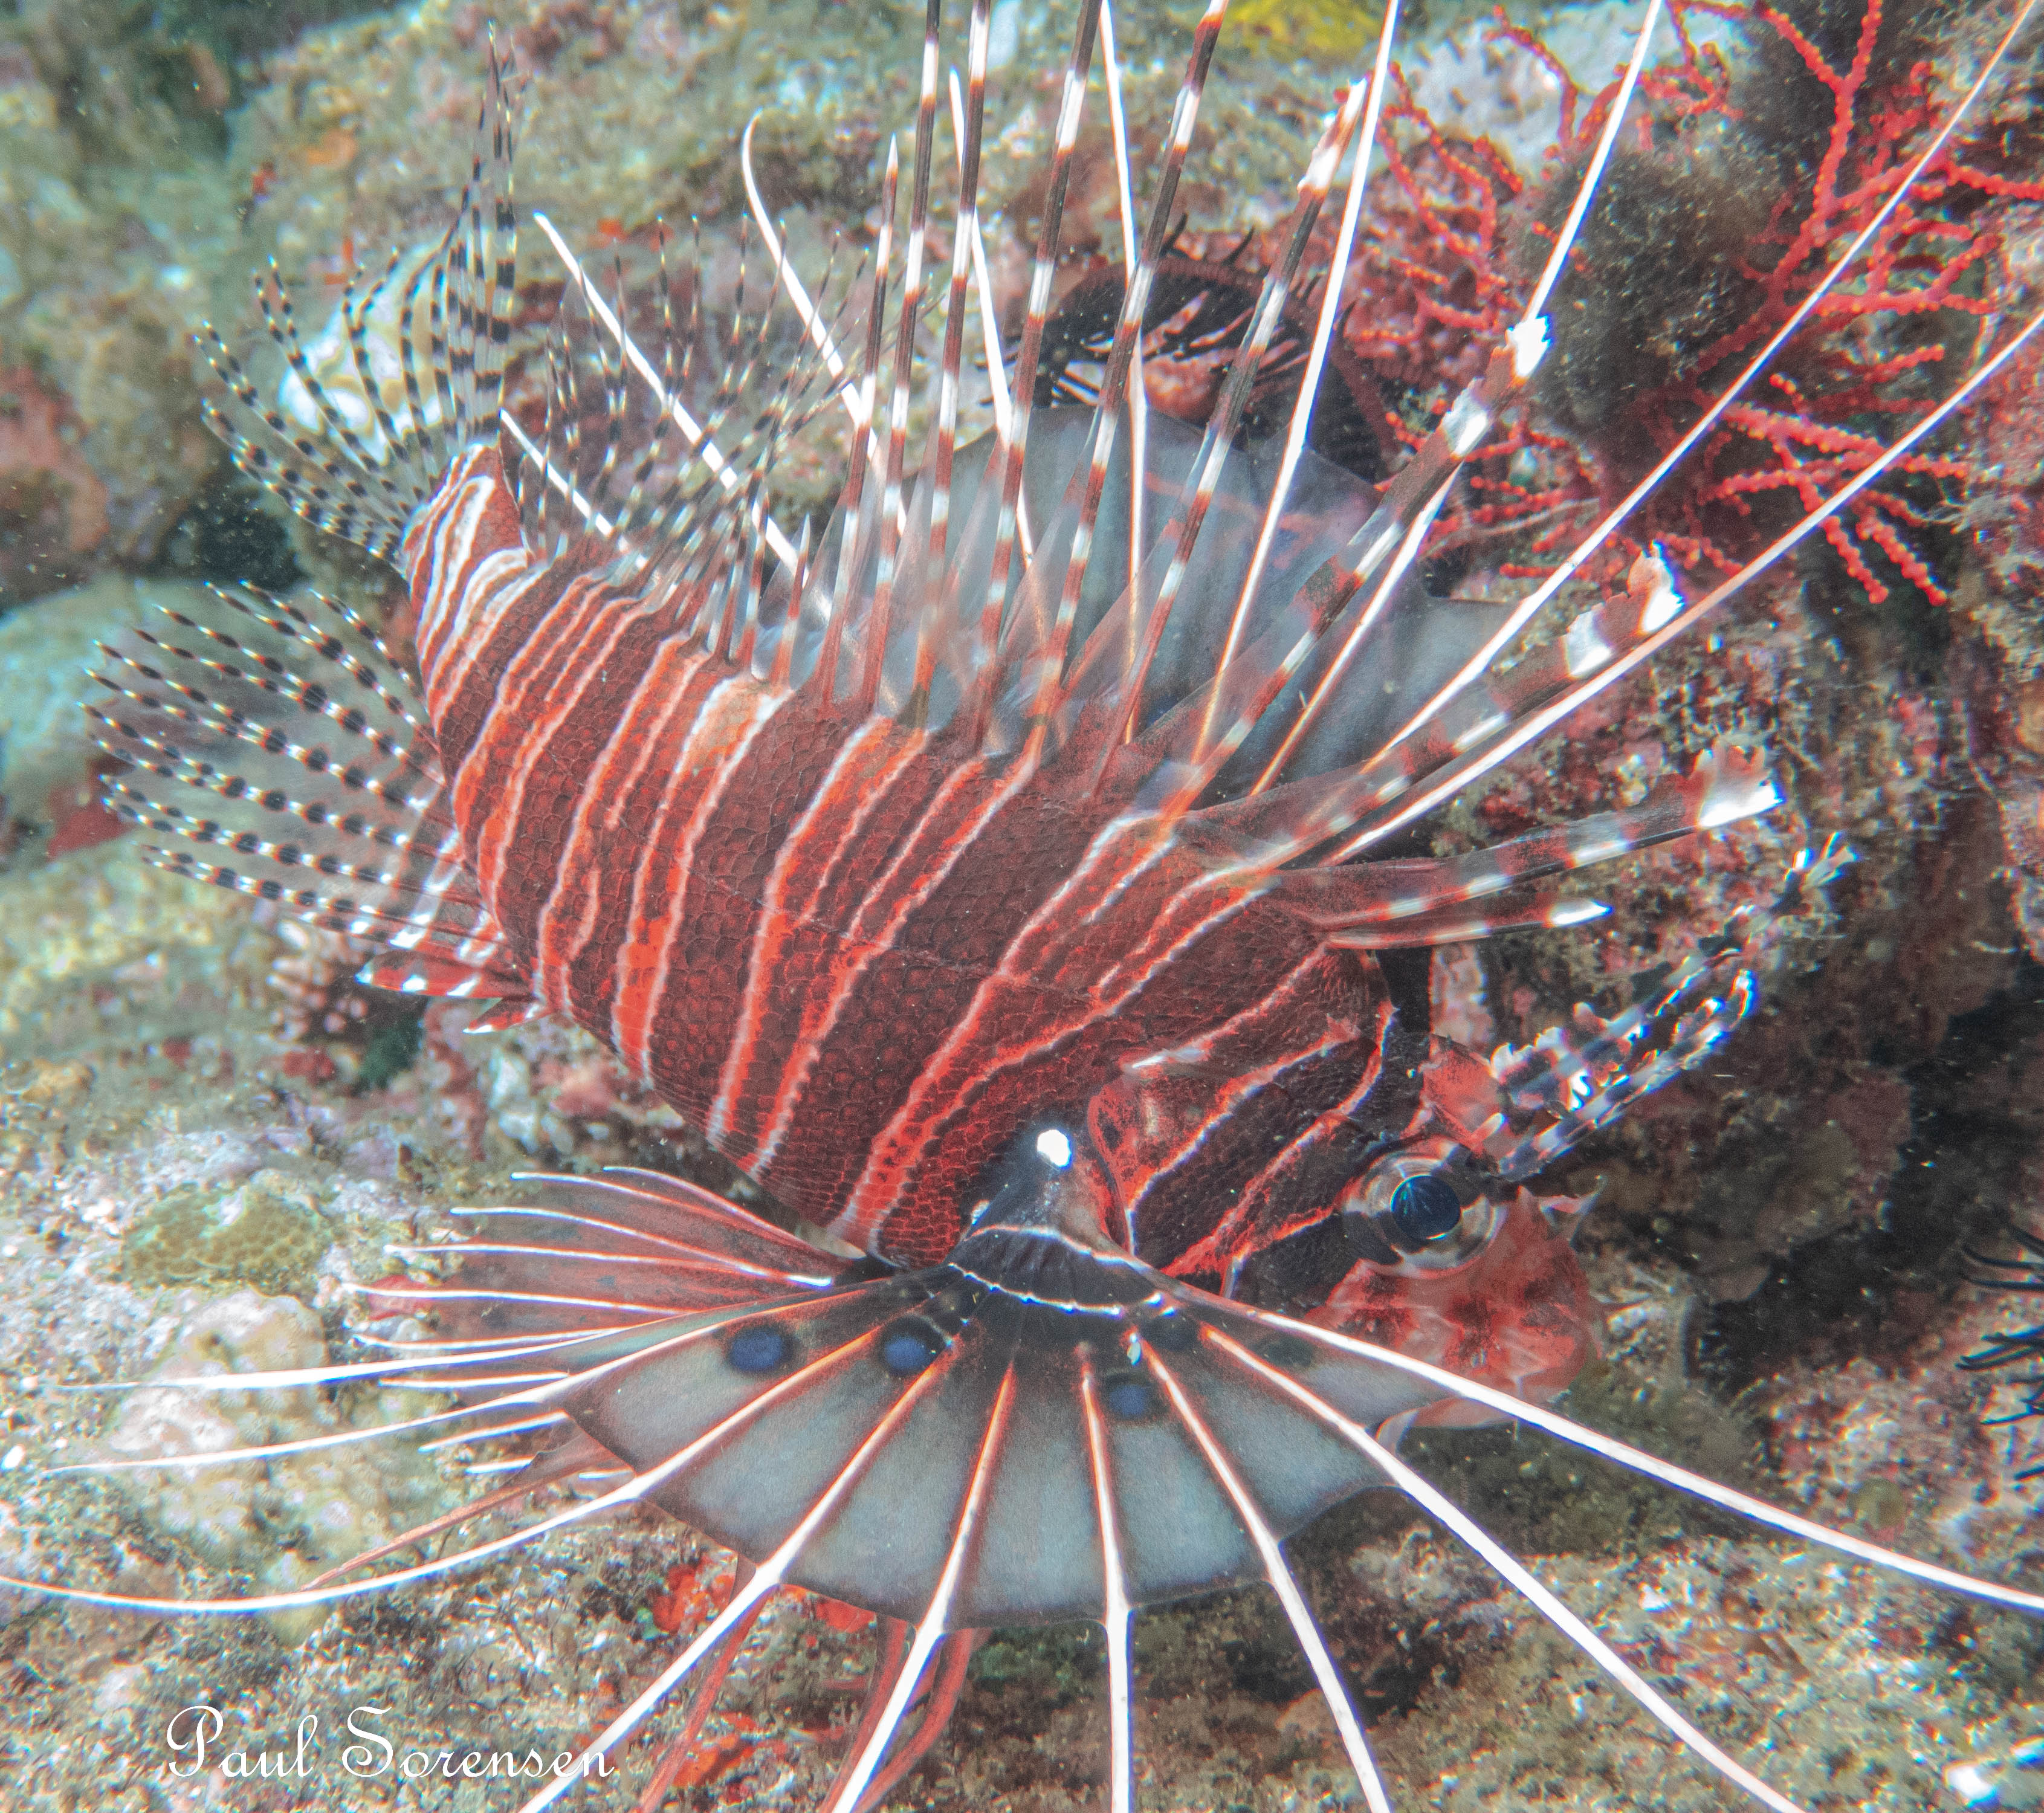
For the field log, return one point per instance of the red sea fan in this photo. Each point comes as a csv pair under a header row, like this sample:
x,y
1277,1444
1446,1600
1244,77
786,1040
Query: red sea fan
x,y
1746,203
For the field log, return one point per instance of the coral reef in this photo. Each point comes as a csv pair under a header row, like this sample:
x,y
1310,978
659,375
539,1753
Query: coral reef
x,y
52,504
114,203
209,1134
267,1232
50,771
1748,197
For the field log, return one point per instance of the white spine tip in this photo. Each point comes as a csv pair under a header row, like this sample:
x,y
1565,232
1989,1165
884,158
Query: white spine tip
x,y
1529,344
1728,804
1577,913
1652,576
1466,423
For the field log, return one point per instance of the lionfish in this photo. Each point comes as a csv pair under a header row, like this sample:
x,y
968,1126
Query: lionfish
x,y
996,878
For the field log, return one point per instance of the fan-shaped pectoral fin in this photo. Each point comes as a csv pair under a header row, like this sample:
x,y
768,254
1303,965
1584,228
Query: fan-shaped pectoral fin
x,y
1229,1473
1041,1428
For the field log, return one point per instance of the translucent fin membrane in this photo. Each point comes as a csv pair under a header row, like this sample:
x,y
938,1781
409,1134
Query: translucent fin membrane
x,y
672,485
1017,584
944,600
1040,1428
447,320
281,752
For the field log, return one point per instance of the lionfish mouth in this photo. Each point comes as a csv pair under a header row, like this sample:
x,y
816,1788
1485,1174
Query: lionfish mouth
x,y
1032,1415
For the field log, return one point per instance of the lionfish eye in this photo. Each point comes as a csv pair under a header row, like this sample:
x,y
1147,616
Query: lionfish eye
x,y
759,1349
1425,1209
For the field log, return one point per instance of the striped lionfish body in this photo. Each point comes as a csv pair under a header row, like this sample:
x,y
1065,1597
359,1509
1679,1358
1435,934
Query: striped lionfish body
x,y
999,877
860,956
863,955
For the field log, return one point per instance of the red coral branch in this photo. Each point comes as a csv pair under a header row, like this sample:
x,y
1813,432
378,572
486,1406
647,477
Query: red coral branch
x,y
1436,279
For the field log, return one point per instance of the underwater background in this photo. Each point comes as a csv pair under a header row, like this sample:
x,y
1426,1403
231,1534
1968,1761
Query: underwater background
x,y
207,1132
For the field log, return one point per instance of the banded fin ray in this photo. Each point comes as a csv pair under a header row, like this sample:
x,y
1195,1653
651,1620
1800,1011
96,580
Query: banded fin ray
x,y
338,483
1032,1301
288,756
633,1245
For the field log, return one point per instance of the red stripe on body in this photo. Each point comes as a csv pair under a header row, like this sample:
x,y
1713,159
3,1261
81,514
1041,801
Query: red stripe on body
x,y
861,958
697,1018
470,523
503,583
597,841
531,647
623,842
1300,1185
1215,1083
730,718
857,780
557,723
905,960
1215,1200
1041,1032
837,874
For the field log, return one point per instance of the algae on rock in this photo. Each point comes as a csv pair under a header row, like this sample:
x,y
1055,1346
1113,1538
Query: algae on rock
x,y
285,1518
